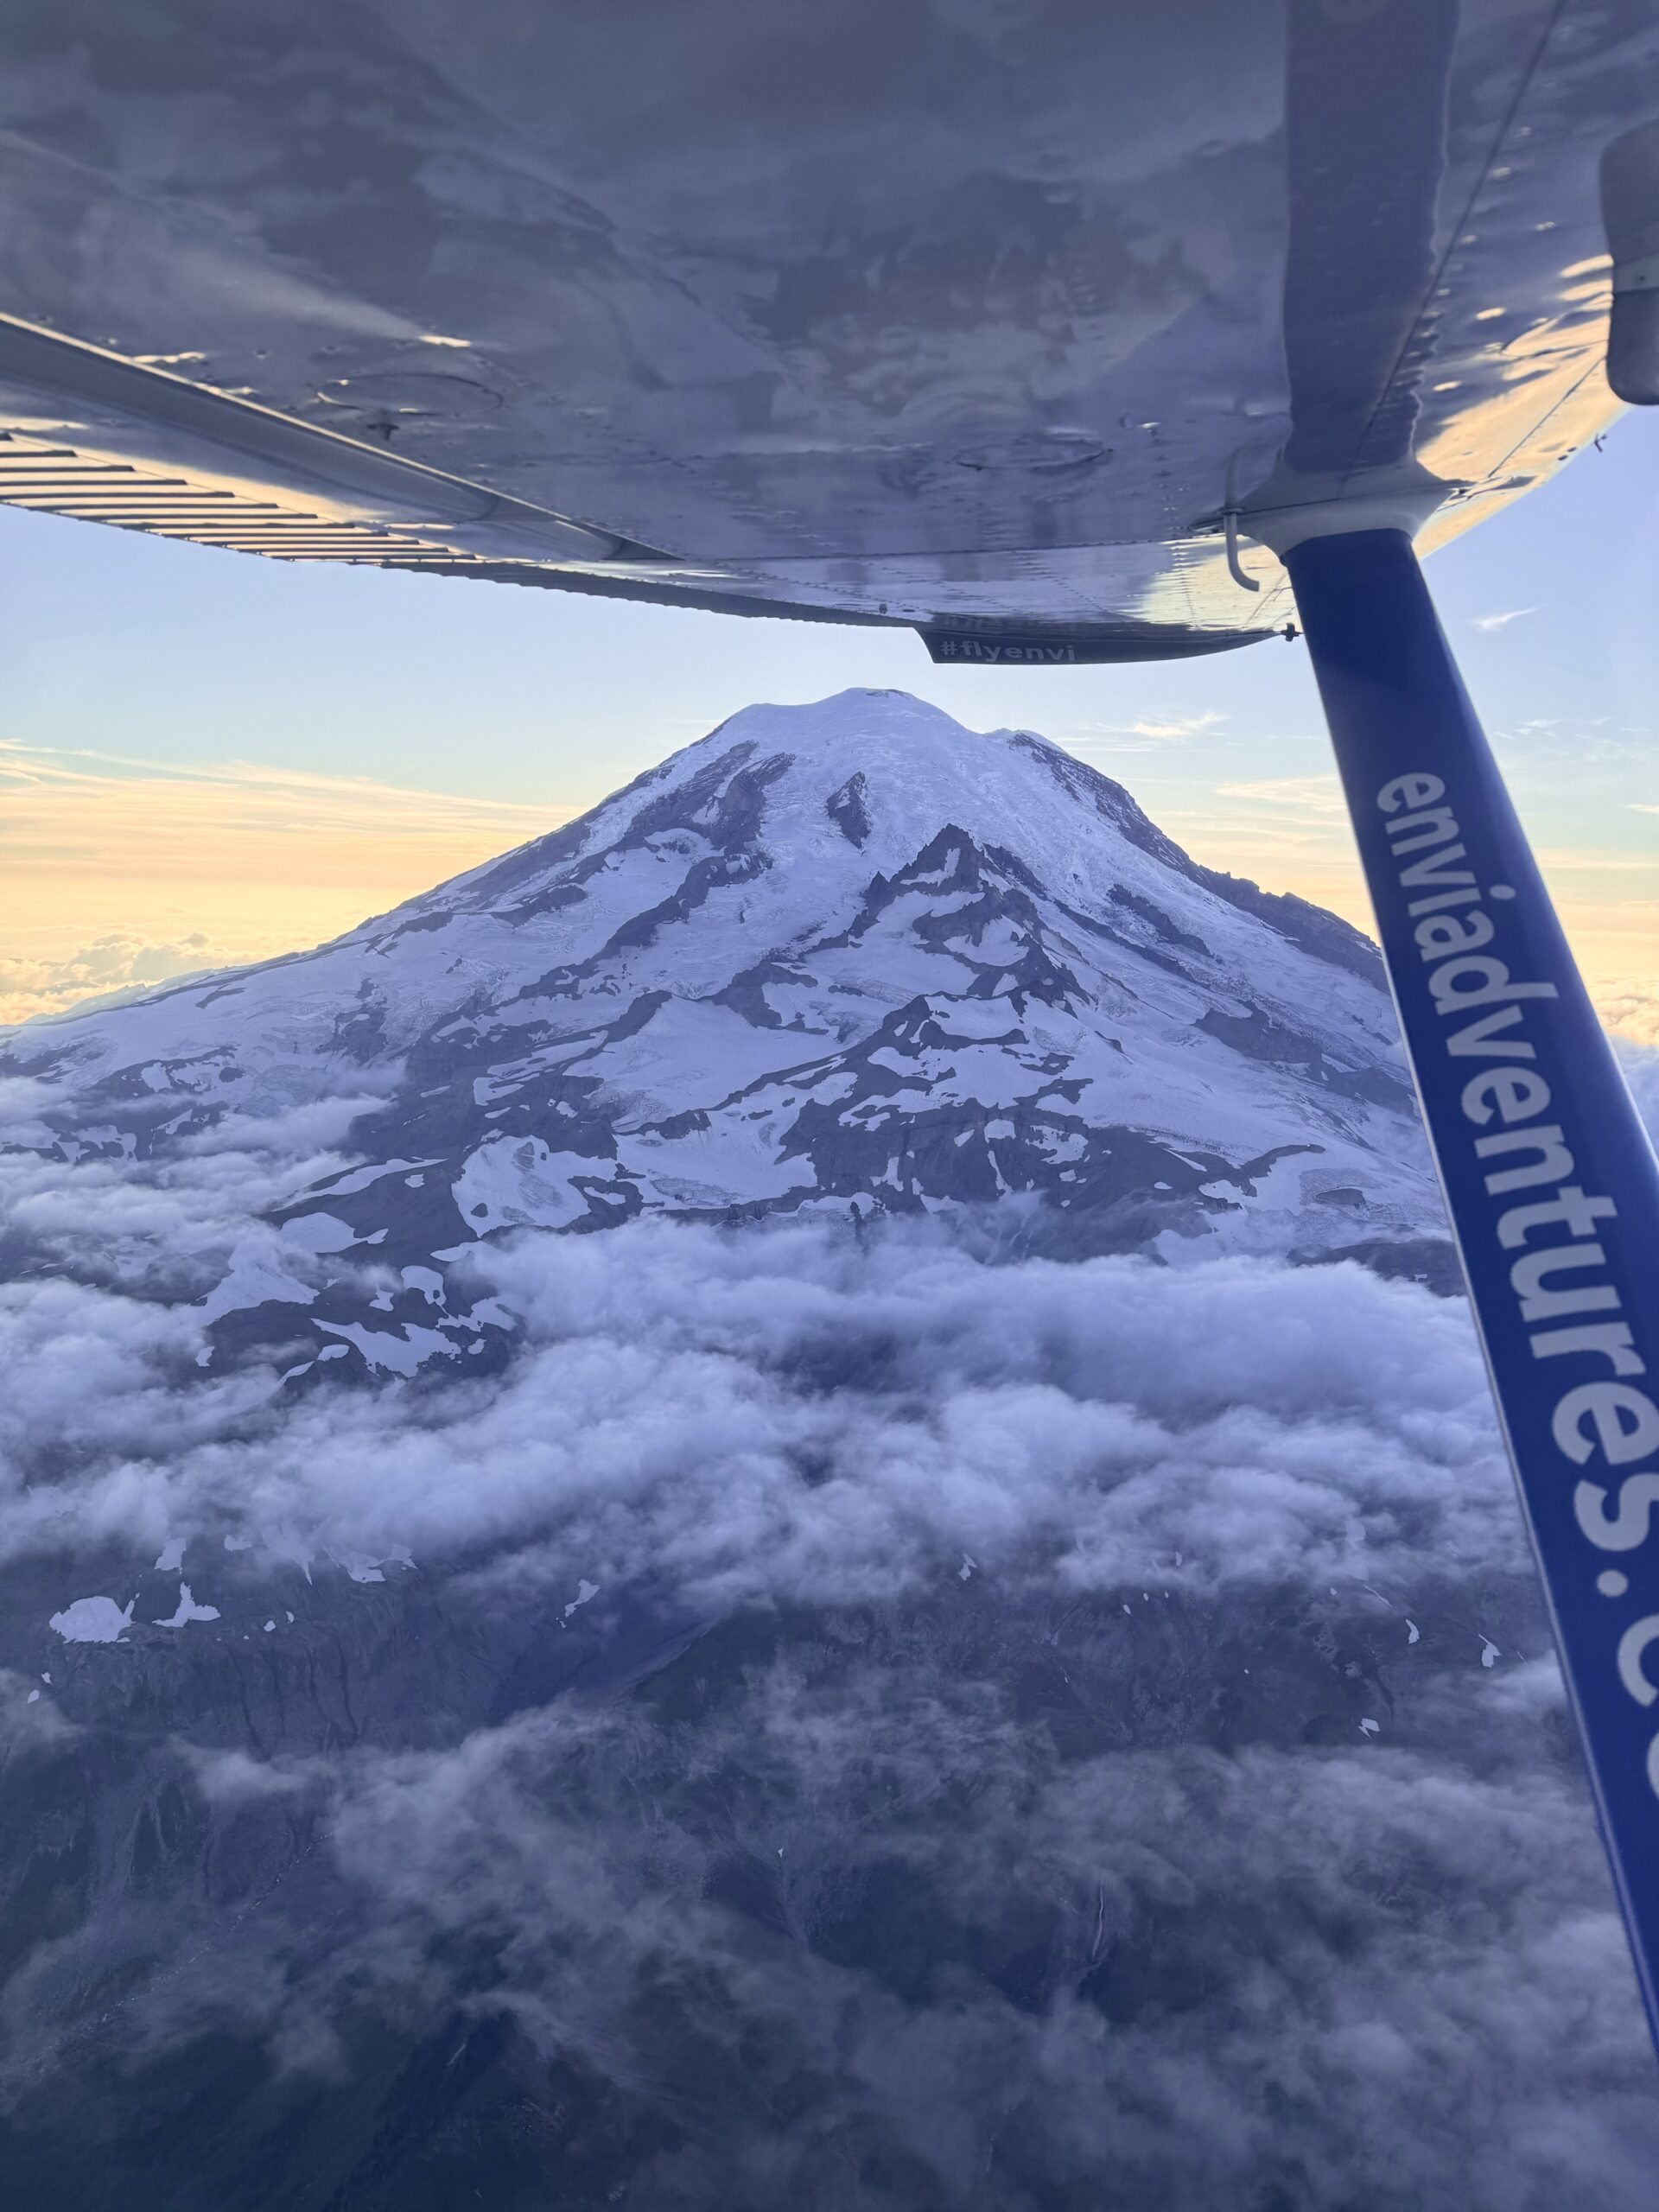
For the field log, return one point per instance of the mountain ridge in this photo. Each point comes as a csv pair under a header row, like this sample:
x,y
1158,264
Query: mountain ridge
x,y
895,1653
847,958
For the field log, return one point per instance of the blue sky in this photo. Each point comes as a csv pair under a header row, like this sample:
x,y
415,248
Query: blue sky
x,y
207,755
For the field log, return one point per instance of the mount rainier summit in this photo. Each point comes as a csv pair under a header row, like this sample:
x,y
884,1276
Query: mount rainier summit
x,y
874,1635
846,958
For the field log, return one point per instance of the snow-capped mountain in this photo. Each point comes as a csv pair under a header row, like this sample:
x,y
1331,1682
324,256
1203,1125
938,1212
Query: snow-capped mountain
x,y
944,1717
848,957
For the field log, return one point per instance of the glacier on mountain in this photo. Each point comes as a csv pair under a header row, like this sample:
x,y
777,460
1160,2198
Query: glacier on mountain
x,y
847,959
940,1659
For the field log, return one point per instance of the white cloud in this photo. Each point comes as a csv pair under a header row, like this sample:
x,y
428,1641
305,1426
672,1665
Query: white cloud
x,y
1639,1057
1628,1005
1501,621
1319,796
121,963
1075,1421
1008,1892
1148,732
1167,725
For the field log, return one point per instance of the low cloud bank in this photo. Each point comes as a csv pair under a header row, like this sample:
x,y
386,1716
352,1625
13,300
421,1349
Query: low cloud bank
x,y
1629,1006
1109,1752
795,1415
121,963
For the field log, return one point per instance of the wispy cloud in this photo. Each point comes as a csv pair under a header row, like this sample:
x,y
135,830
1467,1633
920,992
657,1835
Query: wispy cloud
x,y
1319,796
1167,725
1292,833
120,872
1501,621
1148,730
1599,863
62,807
1289,831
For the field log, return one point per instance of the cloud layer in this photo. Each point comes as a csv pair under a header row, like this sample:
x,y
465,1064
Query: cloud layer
x,y
845,1719
797,1415
127,871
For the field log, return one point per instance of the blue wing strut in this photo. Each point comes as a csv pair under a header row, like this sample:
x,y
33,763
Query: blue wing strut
x,y
1548,1176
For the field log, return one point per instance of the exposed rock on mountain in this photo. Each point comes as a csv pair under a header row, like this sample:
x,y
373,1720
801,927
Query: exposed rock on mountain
x,y
926,1669
847,959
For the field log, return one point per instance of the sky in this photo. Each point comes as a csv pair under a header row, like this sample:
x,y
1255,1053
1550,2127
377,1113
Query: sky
x,y
206,757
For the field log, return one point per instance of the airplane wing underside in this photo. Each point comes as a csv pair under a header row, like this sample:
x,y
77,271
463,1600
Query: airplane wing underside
x,y
975,317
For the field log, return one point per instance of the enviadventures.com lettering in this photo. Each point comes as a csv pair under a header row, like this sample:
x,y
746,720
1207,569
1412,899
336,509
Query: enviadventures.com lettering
x,y
1548,1228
